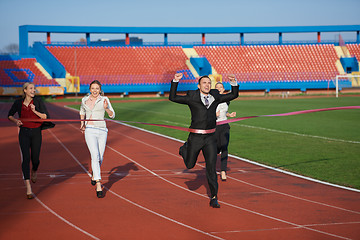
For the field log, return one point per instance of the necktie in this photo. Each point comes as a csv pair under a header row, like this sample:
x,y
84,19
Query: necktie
x,y
206,101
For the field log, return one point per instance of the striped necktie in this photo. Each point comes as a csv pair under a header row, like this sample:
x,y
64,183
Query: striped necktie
x,y
206,101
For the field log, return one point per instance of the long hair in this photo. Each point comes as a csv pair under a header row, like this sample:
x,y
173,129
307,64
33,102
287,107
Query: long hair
x,y
98,83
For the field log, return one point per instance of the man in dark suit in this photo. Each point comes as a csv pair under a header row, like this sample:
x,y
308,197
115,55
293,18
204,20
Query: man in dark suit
x,y
202,103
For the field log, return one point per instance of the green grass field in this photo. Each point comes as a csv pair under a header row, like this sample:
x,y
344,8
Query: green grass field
x,y
322,145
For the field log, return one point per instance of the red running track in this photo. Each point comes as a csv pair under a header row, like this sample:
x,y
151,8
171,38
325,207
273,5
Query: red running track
x,y
150,194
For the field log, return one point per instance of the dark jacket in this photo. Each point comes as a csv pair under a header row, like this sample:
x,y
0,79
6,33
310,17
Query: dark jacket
x,y
39,106
38,102
201,117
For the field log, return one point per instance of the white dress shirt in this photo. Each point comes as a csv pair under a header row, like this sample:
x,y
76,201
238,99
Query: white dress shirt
x,y
97,112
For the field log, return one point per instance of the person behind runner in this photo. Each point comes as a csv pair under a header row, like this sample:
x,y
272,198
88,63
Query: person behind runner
x,y
222,132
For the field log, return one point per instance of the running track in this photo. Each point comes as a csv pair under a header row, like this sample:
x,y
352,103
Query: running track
x,y
150,194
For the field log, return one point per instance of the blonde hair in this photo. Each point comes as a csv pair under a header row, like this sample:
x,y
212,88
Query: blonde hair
x,y
25,86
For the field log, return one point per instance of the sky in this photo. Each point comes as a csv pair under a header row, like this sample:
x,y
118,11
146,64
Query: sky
x,y
179,13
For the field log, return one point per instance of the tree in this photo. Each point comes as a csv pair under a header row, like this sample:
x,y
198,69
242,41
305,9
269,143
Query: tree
x,y
11,49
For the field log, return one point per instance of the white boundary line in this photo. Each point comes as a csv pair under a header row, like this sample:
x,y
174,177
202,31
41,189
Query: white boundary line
x,y
60,217
296,134
131,202
249,161
288,228
246,160
64,220
295,175
228,204
240,158
244,209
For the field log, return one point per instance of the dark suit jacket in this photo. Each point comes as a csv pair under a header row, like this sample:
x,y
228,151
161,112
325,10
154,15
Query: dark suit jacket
x,y
201,117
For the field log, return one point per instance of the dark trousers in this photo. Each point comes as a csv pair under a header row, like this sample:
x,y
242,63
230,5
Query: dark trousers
x,y
222,141
30,144
190,152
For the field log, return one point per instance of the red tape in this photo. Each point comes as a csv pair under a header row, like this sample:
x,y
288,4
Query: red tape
x,y
289,114
201,131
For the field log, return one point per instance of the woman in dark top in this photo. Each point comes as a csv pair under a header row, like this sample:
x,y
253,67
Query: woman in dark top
x,y
30,137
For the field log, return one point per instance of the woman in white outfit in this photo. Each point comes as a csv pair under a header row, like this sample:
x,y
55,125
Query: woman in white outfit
x,y
94,106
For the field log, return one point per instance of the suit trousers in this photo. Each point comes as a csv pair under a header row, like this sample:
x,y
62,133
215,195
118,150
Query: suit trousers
x,y
30,144
96,141
190,152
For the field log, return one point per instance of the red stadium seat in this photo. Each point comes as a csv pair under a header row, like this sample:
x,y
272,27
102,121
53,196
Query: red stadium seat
x,y
273,59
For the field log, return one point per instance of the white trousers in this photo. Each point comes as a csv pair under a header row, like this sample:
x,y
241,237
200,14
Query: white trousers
x,y
96,141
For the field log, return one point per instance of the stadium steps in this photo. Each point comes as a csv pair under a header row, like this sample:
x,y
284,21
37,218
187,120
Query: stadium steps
x,y
191,68
340,53
42,70
346,51
16,72
339,67
60,81
190,52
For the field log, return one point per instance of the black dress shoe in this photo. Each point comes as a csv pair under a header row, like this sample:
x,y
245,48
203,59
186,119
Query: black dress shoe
x,y
93,182
99,194
214,203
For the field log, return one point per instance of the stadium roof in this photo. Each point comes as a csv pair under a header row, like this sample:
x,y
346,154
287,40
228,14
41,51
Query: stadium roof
x,y
24,31
187,30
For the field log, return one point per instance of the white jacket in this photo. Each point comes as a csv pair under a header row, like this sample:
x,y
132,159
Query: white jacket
x,y
97,112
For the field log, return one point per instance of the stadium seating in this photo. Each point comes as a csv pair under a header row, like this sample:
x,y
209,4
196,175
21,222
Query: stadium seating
x,y
121,65
354,50
16,72
273,62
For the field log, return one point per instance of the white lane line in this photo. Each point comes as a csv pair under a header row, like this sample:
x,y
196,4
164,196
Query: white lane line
x,y
263,188
246,160
292,174
64,220
296,134
225,202
228,204
278,131
292,196
162,216
133,203
287,228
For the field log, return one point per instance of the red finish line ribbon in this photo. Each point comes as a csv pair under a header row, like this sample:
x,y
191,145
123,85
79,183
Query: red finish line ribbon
x,y
199,131
288,114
